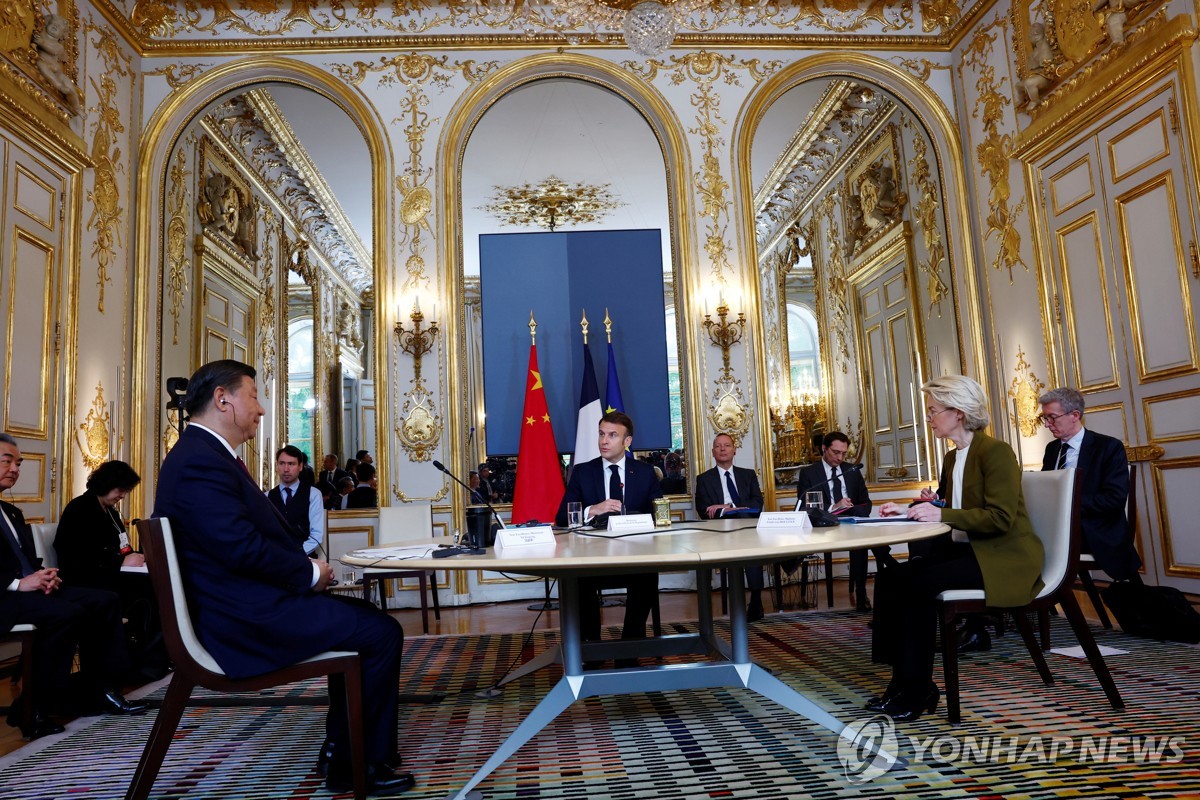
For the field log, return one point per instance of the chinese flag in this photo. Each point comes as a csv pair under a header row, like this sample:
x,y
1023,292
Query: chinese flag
x,y
539,487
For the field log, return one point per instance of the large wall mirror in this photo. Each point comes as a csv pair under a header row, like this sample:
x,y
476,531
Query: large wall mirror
x,y
268,259
567,155
855,275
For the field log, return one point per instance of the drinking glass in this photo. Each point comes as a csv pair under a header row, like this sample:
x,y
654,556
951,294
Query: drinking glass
x,y
348,577
574,515
813,499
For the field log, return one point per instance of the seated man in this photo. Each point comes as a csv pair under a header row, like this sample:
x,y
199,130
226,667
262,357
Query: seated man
x,y
1104,481
299,503
341,494
256,602
364,494
613,484
727,488
844,492
65,616
330,472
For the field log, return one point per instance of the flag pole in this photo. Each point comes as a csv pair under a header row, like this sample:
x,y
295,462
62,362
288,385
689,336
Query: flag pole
x,y
532,328
608,325
583,324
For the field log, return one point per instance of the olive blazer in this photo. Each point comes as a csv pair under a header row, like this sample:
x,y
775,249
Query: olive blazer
x,y
994,518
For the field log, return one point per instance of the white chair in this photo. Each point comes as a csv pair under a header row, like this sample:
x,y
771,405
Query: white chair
x,y
43,542
43,545
195,666
400,523
1051,499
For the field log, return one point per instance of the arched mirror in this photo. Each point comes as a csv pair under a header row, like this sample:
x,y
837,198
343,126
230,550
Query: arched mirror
x,y
268,260
854,271
565,213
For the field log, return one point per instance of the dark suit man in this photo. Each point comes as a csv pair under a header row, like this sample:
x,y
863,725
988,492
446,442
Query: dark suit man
x,y
65,616
1104,481
364,494
844,492
613,484
256,601
330,472
725,488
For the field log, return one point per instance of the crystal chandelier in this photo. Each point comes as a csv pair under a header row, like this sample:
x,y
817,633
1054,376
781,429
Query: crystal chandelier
x,y
649,26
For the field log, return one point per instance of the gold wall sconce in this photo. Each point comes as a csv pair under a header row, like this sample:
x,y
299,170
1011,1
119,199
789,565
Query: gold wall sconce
x,y
725,334
416,341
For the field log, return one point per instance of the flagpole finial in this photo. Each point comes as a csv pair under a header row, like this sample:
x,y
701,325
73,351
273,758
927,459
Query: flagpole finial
x,y
608,325
532,328
583,324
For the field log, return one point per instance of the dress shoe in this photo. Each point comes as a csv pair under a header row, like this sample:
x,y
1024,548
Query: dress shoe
x,y
330,753
41,726
115,703
381,779
907,706
881,702
973,640
862,604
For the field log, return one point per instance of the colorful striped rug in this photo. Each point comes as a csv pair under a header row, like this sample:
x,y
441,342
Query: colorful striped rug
x,y
1018,738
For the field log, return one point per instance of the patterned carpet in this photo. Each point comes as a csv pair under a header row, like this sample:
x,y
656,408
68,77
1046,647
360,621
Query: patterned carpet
x,y
691,744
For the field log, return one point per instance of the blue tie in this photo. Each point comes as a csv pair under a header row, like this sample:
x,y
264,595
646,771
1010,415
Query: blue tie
x,y
734,497
287,498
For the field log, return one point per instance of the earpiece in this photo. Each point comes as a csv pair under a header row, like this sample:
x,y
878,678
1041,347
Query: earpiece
x,y
224,401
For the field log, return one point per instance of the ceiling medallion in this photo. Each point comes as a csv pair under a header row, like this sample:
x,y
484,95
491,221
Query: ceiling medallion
x,y
551,203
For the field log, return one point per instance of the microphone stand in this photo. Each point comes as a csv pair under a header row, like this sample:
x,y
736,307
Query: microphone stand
x,y
819,517
476,547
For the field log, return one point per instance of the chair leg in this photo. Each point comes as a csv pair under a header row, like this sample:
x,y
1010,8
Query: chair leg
x,y
1031,644
354,718
1089,586
829,580
27,679
165,725
422,580
656,615
778,570
1044,628
724,590
1066,598
433,591
950,663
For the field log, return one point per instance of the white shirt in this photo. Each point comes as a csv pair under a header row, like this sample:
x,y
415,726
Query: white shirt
x,y
960,463
587,512
316,515
725,484
225,443
1072,457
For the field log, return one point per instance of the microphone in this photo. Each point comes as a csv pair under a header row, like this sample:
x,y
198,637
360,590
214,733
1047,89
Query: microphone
x,y
478,548
819,517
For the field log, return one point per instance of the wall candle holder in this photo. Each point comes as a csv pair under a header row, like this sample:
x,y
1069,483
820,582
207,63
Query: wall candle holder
x,y
417,341
725,334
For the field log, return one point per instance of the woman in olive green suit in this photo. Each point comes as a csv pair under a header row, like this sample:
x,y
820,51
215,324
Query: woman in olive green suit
x,y
992,546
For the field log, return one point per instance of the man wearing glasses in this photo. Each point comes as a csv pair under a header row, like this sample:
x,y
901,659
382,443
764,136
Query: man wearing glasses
x,y
1104,482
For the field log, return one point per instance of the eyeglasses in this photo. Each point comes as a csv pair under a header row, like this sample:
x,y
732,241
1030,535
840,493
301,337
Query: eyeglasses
x,y
929,415
1050,419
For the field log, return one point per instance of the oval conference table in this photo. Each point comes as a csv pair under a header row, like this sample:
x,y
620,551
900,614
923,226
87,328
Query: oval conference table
x,y
701,546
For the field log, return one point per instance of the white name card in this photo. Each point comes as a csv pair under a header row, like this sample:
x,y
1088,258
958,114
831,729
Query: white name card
x,y
784,520
630,523
524,537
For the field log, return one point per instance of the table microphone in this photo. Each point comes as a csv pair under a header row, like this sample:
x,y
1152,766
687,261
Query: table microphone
x,y
819,517
440,467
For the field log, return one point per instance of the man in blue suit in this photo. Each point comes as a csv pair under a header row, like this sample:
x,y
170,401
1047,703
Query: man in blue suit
x,y
257,601
613,484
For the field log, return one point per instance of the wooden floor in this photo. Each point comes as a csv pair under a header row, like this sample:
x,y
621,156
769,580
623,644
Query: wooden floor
x,y
515,617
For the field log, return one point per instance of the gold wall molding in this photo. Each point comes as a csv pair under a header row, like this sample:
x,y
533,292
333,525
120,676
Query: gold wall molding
x,y
921,68
1144,452
270,326
1024,391
926,213
177,75
96,444
178,234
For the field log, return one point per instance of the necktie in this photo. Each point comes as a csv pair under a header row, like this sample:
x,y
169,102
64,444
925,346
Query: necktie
x,y
15,544
837,486
1062,456
732,487
615,492
287,495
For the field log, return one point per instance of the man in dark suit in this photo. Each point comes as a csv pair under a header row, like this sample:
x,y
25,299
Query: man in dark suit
x,y
727,488
300,504
364,494
65,616
330,473
613,484
844,492
1104,481
256,601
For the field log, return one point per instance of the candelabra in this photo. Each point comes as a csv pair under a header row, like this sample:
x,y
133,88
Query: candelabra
x,y
794,427
725,334
417,341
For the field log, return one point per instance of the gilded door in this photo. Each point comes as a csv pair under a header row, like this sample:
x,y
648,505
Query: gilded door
x,y
1122,298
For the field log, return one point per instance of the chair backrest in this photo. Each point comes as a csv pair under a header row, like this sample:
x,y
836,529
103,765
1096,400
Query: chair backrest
x,y
405,522
1051,500
43,542
162,560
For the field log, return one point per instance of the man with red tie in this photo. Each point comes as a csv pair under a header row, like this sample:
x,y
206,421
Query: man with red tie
x,y
257,601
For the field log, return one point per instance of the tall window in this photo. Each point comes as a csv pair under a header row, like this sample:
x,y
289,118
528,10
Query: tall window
x,y
804,349
301,402
673,389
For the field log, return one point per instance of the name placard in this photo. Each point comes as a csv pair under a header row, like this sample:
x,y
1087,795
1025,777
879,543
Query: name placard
x,y
524,537
784,520
630,523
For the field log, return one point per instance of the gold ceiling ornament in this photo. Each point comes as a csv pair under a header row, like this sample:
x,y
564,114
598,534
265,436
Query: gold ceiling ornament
x,y
178,75
95,446
1025,390
551,203
105,195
